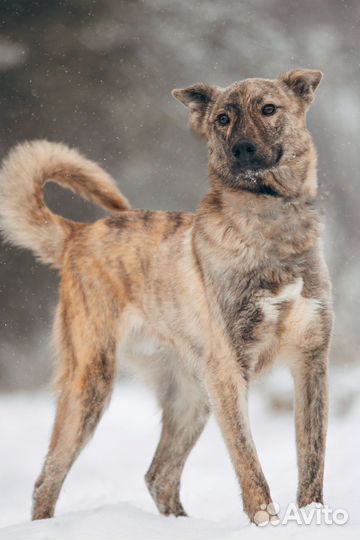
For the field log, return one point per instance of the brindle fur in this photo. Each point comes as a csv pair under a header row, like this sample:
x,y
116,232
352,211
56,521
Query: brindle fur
x,y
198,303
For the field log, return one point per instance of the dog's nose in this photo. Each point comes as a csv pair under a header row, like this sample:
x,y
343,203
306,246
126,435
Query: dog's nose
x,y
244,150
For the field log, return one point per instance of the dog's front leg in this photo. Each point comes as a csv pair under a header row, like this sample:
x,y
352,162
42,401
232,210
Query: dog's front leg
x,y
227,387
311,412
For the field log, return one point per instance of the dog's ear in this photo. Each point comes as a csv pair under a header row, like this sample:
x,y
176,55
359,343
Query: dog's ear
x,y
199,98
302,82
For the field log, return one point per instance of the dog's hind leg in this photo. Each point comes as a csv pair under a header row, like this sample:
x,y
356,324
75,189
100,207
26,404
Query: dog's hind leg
x,y
84,387
184,416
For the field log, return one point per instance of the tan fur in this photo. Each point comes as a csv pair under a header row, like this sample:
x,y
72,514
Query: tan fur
x,y
197,304
24,218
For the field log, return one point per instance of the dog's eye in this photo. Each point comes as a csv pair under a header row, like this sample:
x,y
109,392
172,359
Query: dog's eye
x,y
269,109
223,119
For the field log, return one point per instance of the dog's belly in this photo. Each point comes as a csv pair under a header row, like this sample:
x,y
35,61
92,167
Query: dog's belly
x,y
155,359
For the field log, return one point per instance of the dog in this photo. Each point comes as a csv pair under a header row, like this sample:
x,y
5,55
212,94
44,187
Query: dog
x,y
198,304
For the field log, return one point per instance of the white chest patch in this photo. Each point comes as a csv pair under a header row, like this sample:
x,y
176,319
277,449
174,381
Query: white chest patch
x,y
289,293
302,313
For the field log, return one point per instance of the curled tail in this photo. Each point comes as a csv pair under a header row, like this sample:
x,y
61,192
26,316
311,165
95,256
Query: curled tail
x,y
25,220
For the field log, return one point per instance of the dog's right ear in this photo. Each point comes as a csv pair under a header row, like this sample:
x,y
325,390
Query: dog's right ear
x,y
199,98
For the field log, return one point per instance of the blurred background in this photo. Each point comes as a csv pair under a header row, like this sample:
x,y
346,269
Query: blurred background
x,y
97,74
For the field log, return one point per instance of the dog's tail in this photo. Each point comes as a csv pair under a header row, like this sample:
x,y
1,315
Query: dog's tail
x,y
25,220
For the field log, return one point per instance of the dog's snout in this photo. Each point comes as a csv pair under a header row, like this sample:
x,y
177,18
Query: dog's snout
x,y
244,150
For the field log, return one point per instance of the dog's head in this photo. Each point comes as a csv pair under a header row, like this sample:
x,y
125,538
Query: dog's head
x,y
256,131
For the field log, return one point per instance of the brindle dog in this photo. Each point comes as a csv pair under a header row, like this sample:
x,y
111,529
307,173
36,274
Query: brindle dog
x,y
197,303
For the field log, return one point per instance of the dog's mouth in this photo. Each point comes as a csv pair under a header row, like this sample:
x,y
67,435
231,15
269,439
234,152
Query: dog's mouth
x,y
260,188
258,164
252,177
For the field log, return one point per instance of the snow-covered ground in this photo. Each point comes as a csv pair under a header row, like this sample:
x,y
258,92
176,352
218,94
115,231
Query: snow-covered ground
x,y
105,496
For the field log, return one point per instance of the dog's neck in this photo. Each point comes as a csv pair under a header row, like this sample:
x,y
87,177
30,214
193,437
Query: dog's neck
x,y
275,222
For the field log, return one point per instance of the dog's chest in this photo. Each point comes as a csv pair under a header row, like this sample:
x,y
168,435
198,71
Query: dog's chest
x,y
274,305
288,313
264,320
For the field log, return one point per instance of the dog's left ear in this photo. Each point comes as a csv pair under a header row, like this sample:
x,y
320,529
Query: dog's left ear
x,y
199,98
303,82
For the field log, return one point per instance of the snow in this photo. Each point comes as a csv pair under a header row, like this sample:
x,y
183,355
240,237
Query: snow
x,y
105,495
